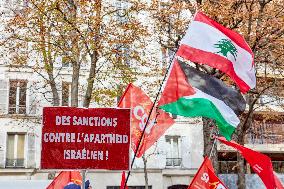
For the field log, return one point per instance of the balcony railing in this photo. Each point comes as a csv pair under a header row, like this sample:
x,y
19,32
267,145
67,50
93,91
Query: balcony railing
x,y
229,167
278,166
265,133
174,162
15,163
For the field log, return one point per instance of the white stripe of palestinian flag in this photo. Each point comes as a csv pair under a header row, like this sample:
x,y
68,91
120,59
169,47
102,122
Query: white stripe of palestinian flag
x,y
207,42
227,113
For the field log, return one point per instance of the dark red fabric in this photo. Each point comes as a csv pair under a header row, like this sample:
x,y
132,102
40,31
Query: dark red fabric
x,y
260,163
140,105
64,178
112,155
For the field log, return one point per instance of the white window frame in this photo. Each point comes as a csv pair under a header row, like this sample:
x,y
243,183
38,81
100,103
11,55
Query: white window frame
x,y
171,146
17,96
16,136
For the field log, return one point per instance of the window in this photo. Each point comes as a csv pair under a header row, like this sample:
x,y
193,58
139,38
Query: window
x,y
123,54
17,96
278,166
15,150
228,167
122,11
130,187
173,156
66,94
66,62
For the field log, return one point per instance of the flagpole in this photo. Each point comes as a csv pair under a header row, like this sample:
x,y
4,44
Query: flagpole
x,y
151,110
83,178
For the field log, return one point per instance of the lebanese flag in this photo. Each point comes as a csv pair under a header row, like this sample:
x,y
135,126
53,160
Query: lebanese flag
x,y
260,163
191,93
140,105
64,178
205,177
123,180
208,42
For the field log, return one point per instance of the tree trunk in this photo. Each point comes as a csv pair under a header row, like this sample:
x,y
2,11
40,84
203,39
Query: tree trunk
x,y
94,57
76,54
240,162
208,129
241,132
55,95
75,84
47,59
145,171
90,80
241,171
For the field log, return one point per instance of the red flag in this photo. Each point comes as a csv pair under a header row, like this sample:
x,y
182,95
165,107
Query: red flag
x,y
141,105
64,178
278,182
123,180
205,178
260,163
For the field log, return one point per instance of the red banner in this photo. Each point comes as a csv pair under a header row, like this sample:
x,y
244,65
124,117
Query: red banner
x,y
80,138
205,177
141,104
260,163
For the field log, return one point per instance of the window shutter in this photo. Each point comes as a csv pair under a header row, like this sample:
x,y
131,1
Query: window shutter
x,y
32,95
2,149
31,151
185,152
3,96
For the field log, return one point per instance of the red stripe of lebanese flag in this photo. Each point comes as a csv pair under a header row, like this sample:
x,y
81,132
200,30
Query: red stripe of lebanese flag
x,y
260,163
205,177
208,42
140,105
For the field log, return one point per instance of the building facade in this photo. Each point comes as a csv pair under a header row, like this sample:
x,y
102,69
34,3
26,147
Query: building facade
x,y
171,162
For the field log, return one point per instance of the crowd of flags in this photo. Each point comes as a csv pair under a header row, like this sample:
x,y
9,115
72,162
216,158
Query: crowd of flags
x,y
191,93
68,180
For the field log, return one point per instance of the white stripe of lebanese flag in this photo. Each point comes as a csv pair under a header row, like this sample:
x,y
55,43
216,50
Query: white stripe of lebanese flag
x,y
208,42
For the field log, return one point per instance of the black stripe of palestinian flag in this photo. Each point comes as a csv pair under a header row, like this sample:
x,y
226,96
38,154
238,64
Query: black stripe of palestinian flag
x,y
191,93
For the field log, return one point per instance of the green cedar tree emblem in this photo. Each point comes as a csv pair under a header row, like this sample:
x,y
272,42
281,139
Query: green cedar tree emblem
x,y
226,46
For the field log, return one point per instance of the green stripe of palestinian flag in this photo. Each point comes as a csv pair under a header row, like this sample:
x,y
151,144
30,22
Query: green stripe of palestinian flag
x,y
202,104
180,98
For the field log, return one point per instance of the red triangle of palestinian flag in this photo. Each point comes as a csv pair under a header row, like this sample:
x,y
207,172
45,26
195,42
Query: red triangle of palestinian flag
x,y
207,100
208,42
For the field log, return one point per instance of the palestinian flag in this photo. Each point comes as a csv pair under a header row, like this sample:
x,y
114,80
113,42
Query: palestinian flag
x,y
208,42
206,97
